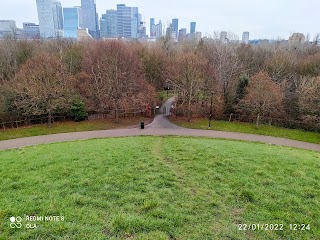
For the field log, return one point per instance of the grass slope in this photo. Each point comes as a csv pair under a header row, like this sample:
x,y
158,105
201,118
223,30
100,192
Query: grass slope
x,y
251,128
64,127
160,188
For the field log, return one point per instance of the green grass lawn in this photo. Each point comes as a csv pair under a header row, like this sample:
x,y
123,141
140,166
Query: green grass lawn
x,y
160,188
251,128
64,127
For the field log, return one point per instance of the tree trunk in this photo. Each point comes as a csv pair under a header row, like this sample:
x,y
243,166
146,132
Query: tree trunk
x,y
189,111
117,115
230,117
49,119
117,111
258,118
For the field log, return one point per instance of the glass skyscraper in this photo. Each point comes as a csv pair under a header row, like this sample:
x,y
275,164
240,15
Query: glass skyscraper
x,y
193,27
71,18
159,30
57,15
108,24
124,20
245,37
175,27
46,18
152,28
89,17
135,22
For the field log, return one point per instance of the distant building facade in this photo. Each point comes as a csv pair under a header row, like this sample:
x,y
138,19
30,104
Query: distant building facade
x,y
159,30
245,37
46,19
71,18
8,28
89,17
175,27
124,21
57,15
193,27
129,22
135,22
108,24
152,28
30,31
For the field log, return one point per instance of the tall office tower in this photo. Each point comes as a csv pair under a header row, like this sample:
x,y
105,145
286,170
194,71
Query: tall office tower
x,y
193,27
71,18
46,19
103,26
152,28
108,24
135,22
30,31
57,15
97,25
159,30
224,37
127,20
89,17
175,27
245,37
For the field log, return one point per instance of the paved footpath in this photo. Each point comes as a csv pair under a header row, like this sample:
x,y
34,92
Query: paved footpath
x,y
160,126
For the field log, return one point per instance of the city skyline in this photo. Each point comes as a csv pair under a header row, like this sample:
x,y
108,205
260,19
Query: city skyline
x,y
266,19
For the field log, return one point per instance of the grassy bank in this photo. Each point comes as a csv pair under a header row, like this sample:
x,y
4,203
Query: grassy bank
x,y
251,128
64,127
160,188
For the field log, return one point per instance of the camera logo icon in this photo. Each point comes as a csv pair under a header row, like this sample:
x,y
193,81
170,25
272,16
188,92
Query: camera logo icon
x,y
15,222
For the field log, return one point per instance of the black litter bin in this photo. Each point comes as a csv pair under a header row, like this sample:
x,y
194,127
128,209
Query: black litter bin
x,y
142,124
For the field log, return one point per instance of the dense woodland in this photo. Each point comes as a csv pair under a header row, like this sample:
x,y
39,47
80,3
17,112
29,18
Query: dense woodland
x,y
275,83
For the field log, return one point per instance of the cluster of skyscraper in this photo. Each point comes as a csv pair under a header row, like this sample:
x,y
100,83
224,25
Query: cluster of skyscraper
x,y
55,21
83,22
172,31
123,22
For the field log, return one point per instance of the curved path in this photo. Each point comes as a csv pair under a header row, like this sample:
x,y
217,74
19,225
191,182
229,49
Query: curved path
x,y
160,126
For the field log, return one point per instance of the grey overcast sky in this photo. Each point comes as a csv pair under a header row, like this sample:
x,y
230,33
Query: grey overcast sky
x,y
262,18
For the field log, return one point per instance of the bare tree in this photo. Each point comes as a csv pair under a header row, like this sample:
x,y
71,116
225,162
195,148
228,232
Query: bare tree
x,y
316,39
42,86
227,68
309,95
263,97
115,75
189,76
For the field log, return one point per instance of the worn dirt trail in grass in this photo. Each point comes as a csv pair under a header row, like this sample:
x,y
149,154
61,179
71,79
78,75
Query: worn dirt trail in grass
x,y
176,170
160,126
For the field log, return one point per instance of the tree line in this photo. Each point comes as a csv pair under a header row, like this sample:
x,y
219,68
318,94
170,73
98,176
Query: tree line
x,y
263,81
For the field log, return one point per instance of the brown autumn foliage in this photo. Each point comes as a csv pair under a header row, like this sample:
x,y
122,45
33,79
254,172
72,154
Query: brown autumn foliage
x,y
113,78
281,66
309,95
226,69
113,75
156,66
188,79
42,86
263,97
